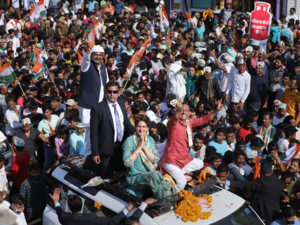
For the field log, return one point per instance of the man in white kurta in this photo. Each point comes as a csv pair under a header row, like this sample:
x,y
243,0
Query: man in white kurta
x,y
85,113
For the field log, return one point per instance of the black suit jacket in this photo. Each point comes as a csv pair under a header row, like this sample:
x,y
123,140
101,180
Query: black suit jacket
x,y
265,196
91,218
102,128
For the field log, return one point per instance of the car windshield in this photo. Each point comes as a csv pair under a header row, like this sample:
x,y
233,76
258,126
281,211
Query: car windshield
x,y
242,216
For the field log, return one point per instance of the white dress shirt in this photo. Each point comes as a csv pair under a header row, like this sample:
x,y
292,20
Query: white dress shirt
x,y
112,111
239,86
20,218
295,17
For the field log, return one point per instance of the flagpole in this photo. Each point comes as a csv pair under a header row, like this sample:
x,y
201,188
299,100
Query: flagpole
x,y
21,88
124,86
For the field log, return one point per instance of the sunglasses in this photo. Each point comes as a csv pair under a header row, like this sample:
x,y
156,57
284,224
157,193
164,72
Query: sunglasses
x,y
234,103
275,106
110,92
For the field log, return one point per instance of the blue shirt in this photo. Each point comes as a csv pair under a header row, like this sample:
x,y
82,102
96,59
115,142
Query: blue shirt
x,y
77,144
119,7
287,33
275,32
279,222
221,148
92,5
199,32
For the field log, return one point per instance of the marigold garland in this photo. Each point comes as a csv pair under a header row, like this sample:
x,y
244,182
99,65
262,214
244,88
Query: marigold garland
x,y
97,205
202,176
188,210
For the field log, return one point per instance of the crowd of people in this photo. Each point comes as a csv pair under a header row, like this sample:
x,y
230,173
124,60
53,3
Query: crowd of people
x,y
203,95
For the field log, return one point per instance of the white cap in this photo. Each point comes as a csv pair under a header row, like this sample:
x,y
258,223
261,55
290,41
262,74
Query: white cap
x,y
97,48
151,115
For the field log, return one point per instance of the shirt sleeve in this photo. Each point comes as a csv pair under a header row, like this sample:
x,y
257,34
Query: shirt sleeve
x,y
85,64
12,123
247,89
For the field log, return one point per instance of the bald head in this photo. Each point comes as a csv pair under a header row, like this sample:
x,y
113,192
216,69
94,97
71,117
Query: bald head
x,y
3,90
197,15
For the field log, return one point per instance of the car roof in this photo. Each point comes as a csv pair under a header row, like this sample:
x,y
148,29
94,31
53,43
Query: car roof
x,y
224,203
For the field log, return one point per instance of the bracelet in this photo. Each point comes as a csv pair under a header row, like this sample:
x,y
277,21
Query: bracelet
x,y
136,153
127,209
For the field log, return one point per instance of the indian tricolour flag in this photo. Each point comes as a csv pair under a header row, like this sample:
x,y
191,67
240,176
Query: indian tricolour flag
x,y
165,17
7,75
136,58
37,11
190,19
91,35
39,67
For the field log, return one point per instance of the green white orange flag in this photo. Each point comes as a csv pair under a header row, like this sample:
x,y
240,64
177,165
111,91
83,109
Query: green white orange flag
x,y
190,19
38,11
91,34
136,58
39,67
168,40
165,17
7,75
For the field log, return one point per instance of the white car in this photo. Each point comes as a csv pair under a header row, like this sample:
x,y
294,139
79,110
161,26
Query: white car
x,y
5,149
227,208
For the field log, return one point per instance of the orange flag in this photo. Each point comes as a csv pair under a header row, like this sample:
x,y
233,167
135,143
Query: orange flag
x,y
256,167
79,58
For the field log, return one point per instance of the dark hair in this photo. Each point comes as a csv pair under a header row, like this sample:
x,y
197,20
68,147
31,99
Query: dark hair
x,y
33,166
297,82
249,138
137,108
221,130
253,113
288,132
287,212
144,119
111,84
75,203
215,156
210,150
228,157
286,175
33,105
294,141
239,152
257,142
288,119
266,167
248,119
208,106
268,114
233,120
198,136
218,96
17,199
166,59
55,98
63,129
8,100
222,168
230,130
2,158
46,107
131,220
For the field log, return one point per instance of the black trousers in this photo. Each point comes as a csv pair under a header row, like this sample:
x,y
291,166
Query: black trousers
x,y
109,164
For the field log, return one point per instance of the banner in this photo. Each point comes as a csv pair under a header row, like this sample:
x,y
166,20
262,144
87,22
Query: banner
x,y
260,21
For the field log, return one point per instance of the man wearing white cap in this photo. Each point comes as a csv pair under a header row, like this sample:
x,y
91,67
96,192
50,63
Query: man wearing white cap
x,y
93,78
